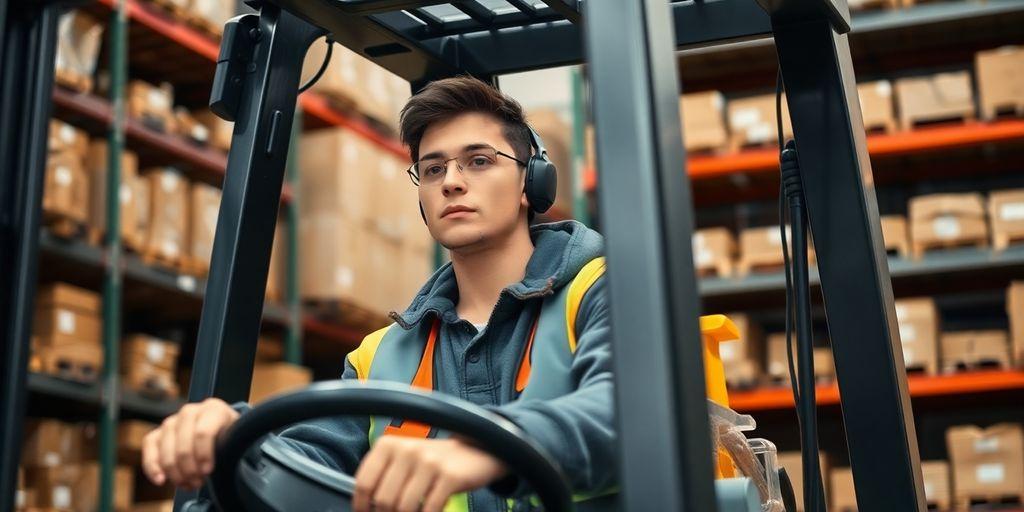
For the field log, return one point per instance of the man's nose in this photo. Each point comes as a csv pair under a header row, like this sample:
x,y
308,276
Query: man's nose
x,y
454,179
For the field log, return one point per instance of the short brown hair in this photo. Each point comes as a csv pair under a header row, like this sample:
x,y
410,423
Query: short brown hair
x,y
444,99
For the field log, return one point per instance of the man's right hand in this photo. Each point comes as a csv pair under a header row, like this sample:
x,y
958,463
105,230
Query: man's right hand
x,y
181,450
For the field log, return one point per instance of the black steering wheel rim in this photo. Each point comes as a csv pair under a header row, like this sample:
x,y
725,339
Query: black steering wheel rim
x,y
492,433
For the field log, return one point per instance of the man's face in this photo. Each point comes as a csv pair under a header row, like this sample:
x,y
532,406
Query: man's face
x,y
491,200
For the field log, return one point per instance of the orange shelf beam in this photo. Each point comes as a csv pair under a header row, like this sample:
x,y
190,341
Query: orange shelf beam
x,y
920,386
901,143
201,44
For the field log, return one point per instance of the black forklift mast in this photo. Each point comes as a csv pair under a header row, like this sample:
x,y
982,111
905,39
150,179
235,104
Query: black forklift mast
x,y
644,196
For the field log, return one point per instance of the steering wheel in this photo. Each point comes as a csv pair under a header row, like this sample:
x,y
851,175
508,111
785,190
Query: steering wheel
x,y
279,478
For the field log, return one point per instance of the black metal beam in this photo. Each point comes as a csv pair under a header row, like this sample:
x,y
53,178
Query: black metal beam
x,y
523,6
569,12
664,439
822,95
366,7
29,41
476,11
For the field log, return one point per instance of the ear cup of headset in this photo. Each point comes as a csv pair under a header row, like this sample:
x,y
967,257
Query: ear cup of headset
x,y
541,184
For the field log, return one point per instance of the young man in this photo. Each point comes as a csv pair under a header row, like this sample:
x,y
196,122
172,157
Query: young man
x,y
518,322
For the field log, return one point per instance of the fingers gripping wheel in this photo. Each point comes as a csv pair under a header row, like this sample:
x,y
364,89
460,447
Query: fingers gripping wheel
x,y
541,177
279,479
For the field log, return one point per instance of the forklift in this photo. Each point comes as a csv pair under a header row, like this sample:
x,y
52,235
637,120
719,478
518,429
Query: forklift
x,y
665,419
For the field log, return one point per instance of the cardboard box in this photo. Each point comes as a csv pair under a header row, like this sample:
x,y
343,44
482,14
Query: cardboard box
x,y
934,98
824,364
986,462
154,506
895,235
190,127
269,379
844,495
752,121
205,206
344,81
338,169
66,315
50,443
399,216
761,249
713,251
168,218
66,138
739,356
219,130
96,165
334,259
152,104
85,491
130,436
384,295
213,13
937,489
794,468
778,361
379,85
556,133
919,333
876,106
66,189
149,380
64,295
1000,74
142,196
55,486
155,351
269,348
1006,213
703,116
1015,312
973,348
947,219
79,36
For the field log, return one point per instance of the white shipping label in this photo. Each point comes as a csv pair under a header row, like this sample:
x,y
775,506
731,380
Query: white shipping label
x,y
908,332
124,193
986,445
200,133
155,351
698,240
63,176
169,181
51,459
883,89
760,132
718,101
744,117
994,473
61,496
929,490
1011,211
343,277
67,134
158,100
170,247
187,283
19,499
776,368
729,350
65,321
775,239
703,257
946,227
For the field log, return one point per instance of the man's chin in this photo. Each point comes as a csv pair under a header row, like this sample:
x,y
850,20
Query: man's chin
x,y
461,238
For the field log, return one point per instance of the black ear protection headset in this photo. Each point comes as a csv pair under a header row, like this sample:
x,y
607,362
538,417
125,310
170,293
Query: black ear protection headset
x,y
541,178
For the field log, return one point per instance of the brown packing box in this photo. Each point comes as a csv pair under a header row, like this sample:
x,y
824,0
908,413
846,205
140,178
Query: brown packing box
x,y
66,190
213,12
141,189
972,348
844,496
269,379
713,250
703,115
749,346
50,443
1000,74
778,362
205,205
384,295
155,351
397,215
219,130
67,296
152,104
1015,312
1006,213
168,219
154,506
986,462
64,137
66,315
334,259
919,332
752,120
96,166
759,247
79,37
824,365
190,127
269,348
939,219
150,380
130,435
344,80
378,87
894,234
934,98
55,486
85,492
338,169
556,134
876,105
937,489
794,468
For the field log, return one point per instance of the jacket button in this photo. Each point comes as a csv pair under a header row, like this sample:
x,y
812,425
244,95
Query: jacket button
x,y
474,358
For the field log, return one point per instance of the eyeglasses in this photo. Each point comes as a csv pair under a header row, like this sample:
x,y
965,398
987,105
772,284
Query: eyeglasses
x,y
471,163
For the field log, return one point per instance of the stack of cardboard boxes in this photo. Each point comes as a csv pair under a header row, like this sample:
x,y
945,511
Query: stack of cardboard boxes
x,y
79,36
67,332
713,252
918,321
66,187
876,106
164,239
358,247
778,360
934,476
61,472
752,121
741,358
944,220
987,463
933,98
895,235
1015,313
152,104
205,207
703,115
1000,76
96,164
975,349
149,366
1006,215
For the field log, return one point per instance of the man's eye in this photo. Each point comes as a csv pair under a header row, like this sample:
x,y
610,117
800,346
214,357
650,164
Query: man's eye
x,y
434,170
479,161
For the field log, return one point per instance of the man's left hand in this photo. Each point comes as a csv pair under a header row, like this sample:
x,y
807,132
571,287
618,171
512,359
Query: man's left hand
x,y
402,474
